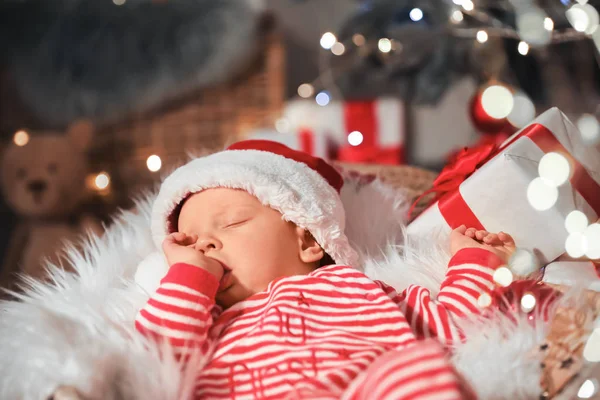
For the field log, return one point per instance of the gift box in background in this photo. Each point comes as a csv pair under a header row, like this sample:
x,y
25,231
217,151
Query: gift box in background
x,y
371,131
500,189
315,143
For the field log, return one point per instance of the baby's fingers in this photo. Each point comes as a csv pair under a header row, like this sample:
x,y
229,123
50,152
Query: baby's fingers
x,y
506,239
175,237
189,240
471,233
461,229
179,238
492,239
481,234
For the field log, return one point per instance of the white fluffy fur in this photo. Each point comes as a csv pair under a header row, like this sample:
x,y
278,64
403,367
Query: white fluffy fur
x,y
79,330
291,187
374,214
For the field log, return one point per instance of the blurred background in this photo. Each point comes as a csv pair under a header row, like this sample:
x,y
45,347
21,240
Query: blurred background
x,y
99,99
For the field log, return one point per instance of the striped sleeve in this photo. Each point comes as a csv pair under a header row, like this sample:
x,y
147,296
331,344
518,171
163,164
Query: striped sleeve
x,y
469,275
180,310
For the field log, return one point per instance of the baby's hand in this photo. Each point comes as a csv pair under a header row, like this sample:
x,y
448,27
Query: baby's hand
x,y
501,244
179,248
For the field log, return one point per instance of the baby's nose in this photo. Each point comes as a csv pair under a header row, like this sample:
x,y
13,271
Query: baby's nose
x,y
208,243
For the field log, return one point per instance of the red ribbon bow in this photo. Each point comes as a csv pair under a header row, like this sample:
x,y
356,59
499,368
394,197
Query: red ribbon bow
x,y
461,166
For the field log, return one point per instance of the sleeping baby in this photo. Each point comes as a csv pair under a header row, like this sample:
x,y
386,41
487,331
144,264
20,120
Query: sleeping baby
x,y
261,282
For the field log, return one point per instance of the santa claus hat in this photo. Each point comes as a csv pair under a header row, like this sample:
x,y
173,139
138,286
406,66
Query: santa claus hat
x,y
303,188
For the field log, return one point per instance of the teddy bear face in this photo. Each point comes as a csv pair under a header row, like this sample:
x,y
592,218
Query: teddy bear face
x,y
44,178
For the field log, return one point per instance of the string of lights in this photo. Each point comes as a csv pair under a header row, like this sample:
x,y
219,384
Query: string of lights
x,y
533,29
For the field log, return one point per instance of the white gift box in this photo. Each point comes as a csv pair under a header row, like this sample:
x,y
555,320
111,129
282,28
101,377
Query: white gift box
x,y
496,194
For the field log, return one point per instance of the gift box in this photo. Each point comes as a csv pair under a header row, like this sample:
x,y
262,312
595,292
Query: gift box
x,y
304,139
381,128
371,131
490,187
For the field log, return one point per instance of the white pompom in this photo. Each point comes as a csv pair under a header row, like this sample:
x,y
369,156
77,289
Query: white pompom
x,y
150,271
523,262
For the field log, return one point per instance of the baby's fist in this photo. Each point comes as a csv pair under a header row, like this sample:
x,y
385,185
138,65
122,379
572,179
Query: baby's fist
x,y
180,248
501,244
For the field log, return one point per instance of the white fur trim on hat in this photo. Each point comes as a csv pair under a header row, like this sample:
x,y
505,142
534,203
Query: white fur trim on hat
x,y
298,192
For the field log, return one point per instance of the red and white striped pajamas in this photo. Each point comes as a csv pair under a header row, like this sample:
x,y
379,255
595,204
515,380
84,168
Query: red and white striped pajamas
x,y
332,334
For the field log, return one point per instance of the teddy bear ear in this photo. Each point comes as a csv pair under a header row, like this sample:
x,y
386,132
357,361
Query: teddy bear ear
x,y
80,132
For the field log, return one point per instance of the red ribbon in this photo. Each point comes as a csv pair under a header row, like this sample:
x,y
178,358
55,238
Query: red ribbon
x,y
361,116
453,207
463,165
307,141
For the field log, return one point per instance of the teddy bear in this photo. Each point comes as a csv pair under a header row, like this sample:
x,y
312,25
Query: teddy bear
x,y
42,179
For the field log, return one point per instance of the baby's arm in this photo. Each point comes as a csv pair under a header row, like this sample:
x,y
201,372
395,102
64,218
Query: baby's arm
x,y
180,310
469,276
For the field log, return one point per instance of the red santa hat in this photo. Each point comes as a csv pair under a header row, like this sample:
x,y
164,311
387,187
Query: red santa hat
x,y
303,188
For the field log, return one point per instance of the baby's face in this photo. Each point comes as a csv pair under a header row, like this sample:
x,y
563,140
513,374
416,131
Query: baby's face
x,y
246,237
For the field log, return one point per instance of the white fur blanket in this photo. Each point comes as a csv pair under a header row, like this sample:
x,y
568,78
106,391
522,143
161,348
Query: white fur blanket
x,y
78,330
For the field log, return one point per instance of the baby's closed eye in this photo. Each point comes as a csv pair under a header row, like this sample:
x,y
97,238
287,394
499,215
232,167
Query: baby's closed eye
x,y
235,220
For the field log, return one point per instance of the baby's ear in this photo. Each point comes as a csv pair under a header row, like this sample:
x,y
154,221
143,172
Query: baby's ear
x,y
310,250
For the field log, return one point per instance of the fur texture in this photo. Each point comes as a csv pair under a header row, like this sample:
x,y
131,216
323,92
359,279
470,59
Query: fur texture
x,y
97,60
78,331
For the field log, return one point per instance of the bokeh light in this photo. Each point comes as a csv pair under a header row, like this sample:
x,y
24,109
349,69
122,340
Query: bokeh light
x,y
457,16
523,111
576,221
385,45
523,48
328,40
481,36
541,194
576,244
416,14
497,101
306,90
503,276
588,389
358,39
322,98
355,138
528,302
338,49
589,127
102,181
21,138
282,125
592,240
555,168
485,300
531,26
